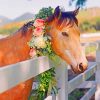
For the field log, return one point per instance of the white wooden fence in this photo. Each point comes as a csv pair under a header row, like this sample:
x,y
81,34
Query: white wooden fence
x,y
14,74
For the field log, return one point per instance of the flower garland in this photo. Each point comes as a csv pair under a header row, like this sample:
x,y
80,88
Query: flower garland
x,y
40,45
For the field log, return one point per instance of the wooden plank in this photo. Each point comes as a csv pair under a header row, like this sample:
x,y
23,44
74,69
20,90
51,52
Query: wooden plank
x,y
62,80
87,84
89,38
97,94
77,81
49,98
11,75
89,94
62,77
52,97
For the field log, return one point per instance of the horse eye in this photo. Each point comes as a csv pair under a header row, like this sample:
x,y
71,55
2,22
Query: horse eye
x,y
65,34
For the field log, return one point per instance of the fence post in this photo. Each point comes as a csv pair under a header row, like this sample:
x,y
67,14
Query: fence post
x,y
97,94
62,77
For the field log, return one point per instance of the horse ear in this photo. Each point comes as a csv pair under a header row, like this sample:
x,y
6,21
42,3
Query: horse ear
x,y
75,12
57,12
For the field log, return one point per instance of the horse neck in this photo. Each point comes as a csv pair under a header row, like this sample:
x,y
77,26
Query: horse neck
x,y
20,41
23,36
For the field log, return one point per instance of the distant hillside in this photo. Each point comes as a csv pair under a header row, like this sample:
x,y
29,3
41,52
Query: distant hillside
x,y
26,16
4,20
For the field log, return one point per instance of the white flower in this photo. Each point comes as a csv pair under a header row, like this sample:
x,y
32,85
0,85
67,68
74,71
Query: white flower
x,y
39,42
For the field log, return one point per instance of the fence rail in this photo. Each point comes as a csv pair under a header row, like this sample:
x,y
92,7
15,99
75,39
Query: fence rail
x,y
14,74
81,78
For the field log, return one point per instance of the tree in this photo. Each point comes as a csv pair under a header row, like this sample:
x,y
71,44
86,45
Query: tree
x,y
78,3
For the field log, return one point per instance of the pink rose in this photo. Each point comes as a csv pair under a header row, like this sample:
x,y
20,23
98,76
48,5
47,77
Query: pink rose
x,y
38,31
32,52
39,22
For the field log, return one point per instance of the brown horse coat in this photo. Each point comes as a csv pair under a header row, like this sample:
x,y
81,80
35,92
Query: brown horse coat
x,y
14,49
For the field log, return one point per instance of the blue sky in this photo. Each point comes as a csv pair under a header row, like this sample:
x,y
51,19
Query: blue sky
x,y
15,8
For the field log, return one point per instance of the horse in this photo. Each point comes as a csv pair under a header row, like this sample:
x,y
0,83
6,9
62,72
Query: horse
x,y
65,41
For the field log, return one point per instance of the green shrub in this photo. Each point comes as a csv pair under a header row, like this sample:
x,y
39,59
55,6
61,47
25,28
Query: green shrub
x,y
8,31
90,26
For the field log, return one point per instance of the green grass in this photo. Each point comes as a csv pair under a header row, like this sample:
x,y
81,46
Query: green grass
x,y
92,25
8,31
90,49
77,94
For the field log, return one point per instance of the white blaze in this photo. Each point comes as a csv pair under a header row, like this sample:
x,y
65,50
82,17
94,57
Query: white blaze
x,y
71,57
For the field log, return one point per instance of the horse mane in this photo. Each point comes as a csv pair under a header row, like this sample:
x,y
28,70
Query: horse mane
x,y
25,27
63,17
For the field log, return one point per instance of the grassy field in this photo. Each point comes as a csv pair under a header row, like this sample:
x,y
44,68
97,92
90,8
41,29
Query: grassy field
x,y
89,20
11,28
88,14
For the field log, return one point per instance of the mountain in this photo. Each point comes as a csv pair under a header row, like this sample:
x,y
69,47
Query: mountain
x,y
25,16
4,20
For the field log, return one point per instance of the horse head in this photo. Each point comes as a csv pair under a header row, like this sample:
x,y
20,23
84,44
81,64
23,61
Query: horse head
x,y
65,38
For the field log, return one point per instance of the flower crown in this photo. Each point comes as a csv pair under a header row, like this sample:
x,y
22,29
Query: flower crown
x,y
40,42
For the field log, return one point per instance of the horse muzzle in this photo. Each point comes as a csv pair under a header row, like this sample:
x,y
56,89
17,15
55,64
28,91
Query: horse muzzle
x,y
80,68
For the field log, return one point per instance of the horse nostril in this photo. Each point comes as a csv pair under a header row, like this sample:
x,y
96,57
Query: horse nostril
x,y
81,67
